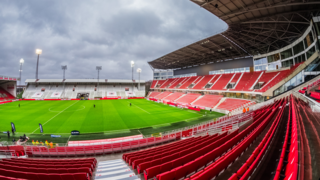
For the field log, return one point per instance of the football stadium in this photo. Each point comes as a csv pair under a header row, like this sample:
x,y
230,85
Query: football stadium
x,y
241,104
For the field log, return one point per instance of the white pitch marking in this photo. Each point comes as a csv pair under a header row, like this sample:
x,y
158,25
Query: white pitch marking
x,y
67,111
56,115
141,109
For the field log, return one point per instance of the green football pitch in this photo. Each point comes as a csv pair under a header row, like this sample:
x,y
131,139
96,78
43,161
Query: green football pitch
x,y
109,118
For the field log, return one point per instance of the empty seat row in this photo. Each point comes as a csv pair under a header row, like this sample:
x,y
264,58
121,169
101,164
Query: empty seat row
x,y
166,152
47,171
186,157
127,156
249,166
237,144
48,166
208,101
185,154
43,176
50,162
209,154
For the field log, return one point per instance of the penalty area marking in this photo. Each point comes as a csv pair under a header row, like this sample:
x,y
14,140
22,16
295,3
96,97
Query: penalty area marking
x,y
55,116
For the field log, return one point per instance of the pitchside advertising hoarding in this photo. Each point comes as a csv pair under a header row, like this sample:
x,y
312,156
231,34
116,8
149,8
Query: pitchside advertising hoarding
x,y
75,132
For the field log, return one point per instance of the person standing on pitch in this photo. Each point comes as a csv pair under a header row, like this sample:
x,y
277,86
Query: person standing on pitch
x,y
12,130
19,105
8,132
94,106
130,104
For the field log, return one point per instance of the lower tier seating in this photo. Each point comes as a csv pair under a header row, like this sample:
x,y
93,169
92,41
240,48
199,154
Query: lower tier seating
x,y
153,94
162,95
173,96
230,104
208,101
40,169
189,98
235,141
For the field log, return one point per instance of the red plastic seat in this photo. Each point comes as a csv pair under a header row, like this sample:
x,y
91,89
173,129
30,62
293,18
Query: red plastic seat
x,y
67,177
81,176
166,176
54,177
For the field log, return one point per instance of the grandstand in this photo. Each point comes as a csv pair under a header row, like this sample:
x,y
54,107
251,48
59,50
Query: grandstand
x,y
77,88
262,73
8,86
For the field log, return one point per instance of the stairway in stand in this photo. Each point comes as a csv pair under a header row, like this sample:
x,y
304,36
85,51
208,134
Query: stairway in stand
x,y
114,169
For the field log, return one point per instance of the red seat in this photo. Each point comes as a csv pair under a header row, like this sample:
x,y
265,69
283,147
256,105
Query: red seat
x,y
166,167
42,176
233,177
166,176
81,176
152,172
67,177
54,177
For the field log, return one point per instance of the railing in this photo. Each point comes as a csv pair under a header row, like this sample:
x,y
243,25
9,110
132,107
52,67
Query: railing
x,y
95,150
315,106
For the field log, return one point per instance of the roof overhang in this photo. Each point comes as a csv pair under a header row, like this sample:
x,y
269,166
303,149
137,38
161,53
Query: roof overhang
x,y
255,27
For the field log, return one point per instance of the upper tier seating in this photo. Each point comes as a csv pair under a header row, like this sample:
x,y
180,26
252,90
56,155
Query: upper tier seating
x,y
208,101
39,169
204,81
159,84
173,96
177,82
236,78
188,99
162,95
222,82
231,104
188,82
154,84
168,82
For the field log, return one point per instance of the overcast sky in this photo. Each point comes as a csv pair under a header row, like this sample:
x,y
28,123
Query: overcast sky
x,y
84,34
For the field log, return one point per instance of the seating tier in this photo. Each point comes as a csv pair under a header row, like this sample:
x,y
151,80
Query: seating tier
x,y
188,99
208,101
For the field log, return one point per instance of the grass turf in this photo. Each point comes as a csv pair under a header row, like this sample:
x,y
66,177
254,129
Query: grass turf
x,y
109,118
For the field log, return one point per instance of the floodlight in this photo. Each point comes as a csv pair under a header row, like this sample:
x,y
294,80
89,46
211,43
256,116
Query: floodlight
x,y
21,61
98,68
38,51
139,70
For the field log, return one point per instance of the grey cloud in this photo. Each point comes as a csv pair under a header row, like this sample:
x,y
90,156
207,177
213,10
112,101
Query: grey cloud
x,y
83,34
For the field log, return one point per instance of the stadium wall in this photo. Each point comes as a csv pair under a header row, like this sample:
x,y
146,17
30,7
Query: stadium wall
x,y
204,69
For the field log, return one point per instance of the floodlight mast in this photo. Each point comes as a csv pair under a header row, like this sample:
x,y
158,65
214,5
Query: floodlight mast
x,y
64,68
139,71
132,66
38,51
21,63
98,68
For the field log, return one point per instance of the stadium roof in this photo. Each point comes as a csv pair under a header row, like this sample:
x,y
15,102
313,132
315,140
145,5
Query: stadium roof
x,y
255,27
83,81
